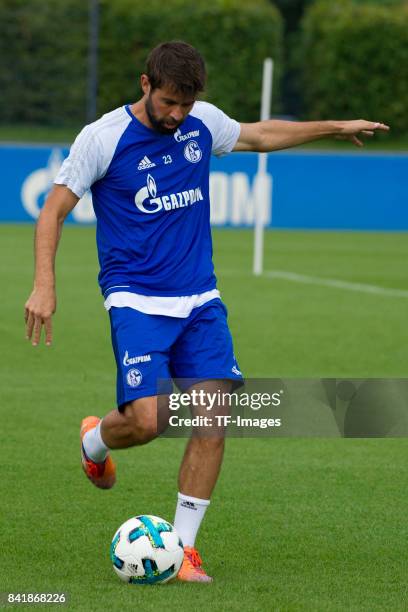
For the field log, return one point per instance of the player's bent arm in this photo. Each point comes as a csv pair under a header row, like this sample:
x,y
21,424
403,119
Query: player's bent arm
x,y
59,203
41,304
274,134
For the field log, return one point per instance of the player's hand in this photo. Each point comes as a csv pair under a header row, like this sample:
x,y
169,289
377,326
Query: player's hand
x,y
354,130
39,309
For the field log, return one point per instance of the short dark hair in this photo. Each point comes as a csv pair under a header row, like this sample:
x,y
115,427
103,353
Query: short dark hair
x,y
178,65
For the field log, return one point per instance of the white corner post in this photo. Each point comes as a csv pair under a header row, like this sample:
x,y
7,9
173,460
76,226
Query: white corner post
x,y
261,176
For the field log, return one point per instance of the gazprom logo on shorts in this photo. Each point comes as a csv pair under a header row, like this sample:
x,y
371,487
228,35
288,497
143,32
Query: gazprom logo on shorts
x,y
147,202
133,360
192,152
134,377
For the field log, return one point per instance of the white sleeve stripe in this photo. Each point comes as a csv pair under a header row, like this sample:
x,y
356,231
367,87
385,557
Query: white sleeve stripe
x,y
107,121
92,152
81,153
224,130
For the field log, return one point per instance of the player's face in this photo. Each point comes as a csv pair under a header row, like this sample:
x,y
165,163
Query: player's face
x,y
167,109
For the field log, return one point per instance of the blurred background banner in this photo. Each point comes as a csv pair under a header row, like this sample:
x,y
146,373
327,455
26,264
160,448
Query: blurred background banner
x,y
308,190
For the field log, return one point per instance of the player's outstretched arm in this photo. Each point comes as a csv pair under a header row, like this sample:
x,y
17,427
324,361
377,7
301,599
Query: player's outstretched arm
x,y
273,135
41,304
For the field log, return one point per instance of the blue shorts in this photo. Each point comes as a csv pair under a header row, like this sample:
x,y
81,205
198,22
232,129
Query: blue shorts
x,y
151,349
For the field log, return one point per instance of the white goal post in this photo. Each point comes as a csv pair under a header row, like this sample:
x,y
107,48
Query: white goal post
x,y
266,100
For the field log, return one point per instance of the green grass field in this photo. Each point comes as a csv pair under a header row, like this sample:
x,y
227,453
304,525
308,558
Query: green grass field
x,y
295,524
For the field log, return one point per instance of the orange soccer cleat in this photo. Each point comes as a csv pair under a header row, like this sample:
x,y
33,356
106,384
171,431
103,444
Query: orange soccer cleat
x,y
102,475
191,569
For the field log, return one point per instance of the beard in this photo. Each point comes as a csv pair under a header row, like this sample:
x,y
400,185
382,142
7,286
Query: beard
x,y
159,124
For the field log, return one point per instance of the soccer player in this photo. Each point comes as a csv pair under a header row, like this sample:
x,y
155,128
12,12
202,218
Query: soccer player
x,y
147,165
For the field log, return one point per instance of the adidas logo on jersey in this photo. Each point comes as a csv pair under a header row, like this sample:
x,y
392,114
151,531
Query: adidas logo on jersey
x,y
145,164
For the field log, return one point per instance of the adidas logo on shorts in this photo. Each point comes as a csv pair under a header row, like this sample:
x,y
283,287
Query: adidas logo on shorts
x,y
145,163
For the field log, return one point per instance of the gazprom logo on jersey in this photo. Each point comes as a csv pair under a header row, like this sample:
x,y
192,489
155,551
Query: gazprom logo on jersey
x,y
182,137
146,196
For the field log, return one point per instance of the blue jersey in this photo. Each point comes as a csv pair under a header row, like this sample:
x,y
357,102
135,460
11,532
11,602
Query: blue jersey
x,y
150,194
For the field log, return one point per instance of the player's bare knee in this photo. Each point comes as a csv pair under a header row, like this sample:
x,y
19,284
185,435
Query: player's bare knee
x,y
142,416
208,442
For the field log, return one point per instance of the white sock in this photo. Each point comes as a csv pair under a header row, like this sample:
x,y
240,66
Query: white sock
x,y
189,514
94,446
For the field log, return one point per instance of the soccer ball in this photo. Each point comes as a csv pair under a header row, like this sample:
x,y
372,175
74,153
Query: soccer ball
x,y
146,550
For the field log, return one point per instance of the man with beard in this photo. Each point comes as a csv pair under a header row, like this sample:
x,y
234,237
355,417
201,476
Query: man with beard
x,y
147,165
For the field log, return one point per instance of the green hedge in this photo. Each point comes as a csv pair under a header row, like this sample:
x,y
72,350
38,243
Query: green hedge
x,y
233,37
43,53
354,60
43,47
